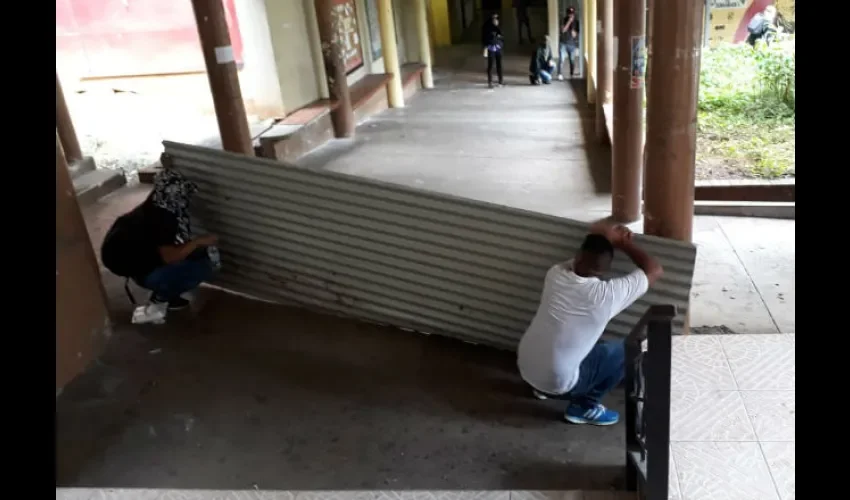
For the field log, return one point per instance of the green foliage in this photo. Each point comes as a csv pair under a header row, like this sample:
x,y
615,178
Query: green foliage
x,y
747,108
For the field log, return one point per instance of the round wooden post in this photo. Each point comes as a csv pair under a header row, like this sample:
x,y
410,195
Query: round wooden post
x,y
671,121
627,157
342,115
223,76
65,127
604,63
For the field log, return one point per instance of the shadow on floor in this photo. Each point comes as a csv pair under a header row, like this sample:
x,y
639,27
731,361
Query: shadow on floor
x,y
250,393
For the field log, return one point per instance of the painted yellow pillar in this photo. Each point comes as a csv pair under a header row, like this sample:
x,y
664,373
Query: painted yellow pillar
x,y
390,48
554,18
441,23
590,51
424,43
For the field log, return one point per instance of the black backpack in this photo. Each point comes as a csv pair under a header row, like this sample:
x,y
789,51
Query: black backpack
x,y
116,251
756,26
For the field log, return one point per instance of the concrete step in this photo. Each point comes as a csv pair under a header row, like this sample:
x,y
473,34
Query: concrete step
x,y
92,185
81,167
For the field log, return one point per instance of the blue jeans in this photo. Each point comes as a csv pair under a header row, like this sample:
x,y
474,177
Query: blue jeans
x,y
601,371
170,281
567,51
544,76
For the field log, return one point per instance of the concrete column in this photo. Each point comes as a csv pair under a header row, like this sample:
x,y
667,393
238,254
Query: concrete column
x,y
343,115
589,29
671,126
604,63
627,157
554,17
390,48
65,127
424,43
223,76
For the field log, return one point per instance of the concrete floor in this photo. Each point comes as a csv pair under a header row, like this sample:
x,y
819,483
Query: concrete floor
x,y
249,394
520,146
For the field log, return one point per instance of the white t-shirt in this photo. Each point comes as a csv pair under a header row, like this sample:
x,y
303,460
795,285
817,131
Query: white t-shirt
x,y
572,315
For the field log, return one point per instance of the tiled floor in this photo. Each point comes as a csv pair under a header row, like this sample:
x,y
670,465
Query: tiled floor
x,y
732,423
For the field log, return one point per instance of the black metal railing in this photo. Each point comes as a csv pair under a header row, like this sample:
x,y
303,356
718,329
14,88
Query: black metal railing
x,y
648,403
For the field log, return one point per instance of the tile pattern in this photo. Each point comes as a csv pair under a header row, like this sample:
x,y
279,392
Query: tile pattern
x,y
761,362
780,459
709,416
699,363
723,471
733,417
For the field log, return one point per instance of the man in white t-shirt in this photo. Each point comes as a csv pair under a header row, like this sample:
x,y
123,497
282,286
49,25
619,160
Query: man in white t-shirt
x,y
560,355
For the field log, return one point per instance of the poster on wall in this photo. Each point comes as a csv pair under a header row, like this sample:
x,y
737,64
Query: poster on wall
x,y
638,62
374,29
349,34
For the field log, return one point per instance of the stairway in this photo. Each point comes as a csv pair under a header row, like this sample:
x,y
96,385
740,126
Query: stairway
x,y
92,183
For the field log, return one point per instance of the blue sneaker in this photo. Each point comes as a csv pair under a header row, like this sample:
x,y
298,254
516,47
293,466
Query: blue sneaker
x,y
595,415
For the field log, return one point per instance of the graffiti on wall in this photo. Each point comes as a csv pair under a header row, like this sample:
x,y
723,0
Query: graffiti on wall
x,y
349,34
729,18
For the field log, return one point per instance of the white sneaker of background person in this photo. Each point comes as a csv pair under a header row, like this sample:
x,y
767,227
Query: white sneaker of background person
x,y
152,313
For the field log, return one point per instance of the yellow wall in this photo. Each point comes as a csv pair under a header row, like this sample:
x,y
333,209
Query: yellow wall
x,y
441,31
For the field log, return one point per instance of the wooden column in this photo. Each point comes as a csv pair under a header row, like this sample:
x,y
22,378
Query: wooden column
x,y
390,48
604,63
589,29
223,76
82,318
65,127
671,125
328,20
424,43
627,157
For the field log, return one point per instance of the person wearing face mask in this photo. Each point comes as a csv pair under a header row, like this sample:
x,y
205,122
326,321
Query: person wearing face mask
x,y
560,355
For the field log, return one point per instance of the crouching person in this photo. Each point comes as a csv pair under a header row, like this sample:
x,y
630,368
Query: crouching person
x,y
154,246
541,65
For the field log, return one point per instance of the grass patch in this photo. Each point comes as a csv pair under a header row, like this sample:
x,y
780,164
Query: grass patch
x,y
747,112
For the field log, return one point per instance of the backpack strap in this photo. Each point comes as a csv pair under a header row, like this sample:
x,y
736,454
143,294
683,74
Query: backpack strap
x,y
129,293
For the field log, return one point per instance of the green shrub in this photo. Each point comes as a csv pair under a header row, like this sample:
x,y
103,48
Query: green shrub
x,y
746,107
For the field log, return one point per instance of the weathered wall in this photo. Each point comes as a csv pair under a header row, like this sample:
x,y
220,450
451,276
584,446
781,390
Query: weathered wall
x,y
257,79
406,26
293,53
82,321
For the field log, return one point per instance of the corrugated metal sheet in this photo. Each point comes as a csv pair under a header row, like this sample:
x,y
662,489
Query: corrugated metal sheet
x,y
395,255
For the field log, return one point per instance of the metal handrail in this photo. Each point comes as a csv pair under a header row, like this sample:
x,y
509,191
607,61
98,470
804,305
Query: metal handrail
x,y
648,403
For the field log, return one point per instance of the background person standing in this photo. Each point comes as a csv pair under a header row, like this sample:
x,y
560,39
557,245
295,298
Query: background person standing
x,y
493,42
568,43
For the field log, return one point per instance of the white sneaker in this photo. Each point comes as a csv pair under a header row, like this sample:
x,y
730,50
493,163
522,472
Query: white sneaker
x,y
153,313
561,77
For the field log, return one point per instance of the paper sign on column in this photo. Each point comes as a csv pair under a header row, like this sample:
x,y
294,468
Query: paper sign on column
x,y
224,55
599,26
